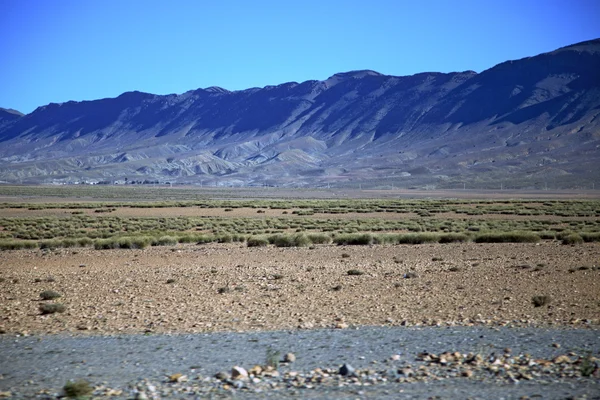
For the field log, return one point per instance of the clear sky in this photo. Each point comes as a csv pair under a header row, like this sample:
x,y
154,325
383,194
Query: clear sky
x,y
60,50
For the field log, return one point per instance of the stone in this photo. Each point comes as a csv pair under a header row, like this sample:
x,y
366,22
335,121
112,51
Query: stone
x,y
347,370
222,376
289,358
341,325
141,396
239,373
562,360
256,370
176,377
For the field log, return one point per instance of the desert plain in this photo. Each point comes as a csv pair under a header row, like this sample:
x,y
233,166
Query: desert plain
x,y
535,273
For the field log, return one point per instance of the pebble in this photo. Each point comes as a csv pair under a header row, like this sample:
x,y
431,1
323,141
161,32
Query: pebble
x,y
502,367
289,358
239,373
347,370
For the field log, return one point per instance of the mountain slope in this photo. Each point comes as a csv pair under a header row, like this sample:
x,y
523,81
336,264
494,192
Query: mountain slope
x,y
524,123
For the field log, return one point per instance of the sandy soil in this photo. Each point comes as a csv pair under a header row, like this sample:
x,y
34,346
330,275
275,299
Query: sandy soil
x,y
110,291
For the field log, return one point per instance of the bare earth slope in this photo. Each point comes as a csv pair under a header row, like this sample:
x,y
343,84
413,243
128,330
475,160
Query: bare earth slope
x,y
524,123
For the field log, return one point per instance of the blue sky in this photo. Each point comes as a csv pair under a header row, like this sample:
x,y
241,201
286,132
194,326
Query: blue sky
x,y
55,51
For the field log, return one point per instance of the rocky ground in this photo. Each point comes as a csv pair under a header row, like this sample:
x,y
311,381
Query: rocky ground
x,y
368,362
230,287
446,320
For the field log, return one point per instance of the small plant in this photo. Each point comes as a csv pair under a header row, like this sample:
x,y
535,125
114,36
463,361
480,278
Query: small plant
x,y
51,308
256,241
49,295
77,389
587,365
539,301
272,358
573,238
278,277
223,290
355,272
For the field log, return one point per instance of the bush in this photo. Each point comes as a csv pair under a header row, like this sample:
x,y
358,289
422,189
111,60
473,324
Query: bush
x,y
354,239
51,308
573,238
49,295
507,237
165,241
418,238
18,244
296,240
77,389
257,241
539,301
590,236
454,238
319,238
355,272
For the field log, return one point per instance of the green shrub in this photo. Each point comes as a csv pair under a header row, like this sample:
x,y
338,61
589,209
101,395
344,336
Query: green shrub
x,y
354,239
50,244
590,236
319,238
49,295
18,244
84,242
51,308
547,235
295,240
573,238
454,238
257,241
77,389
165,241
418,238
539,301
355,272
507,237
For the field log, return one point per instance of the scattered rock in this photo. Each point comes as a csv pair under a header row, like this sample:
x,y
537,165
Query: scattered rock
x,y
256,370
222,376
239,373
347,370
178,378
289,358
562,360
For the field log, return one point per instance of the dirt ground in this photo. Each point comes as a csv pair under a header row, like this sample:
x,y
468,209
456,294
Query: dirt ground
x,y
230,287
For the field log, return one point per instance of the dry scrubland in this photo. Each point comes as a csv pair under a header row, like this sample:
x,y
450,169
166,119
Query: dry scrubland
x,y
176,265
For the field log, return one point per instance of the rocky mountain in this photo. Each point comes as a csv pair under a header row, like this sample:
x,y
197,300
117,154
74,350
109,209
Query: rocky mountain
x,y
530,123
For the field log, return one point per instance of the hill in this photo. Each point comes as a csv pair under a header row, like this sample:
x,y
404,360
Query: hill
x,y
529,123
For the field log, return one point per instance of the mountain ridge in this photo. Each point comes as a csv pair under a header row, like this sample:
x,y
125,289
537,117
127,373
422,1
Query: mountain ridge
x,y
526,121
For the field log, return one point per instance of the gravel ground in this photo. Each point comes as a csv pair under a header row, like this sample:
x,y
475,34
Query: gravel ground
x,y
123,365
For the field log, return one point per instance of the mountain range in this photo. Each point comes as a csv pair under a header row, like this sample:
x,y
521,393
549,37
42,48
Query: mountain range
x,y
529,123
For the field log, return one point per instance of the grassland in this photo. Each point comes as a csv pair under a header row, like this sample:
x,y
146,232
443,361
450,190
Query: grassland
x,y
130,224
